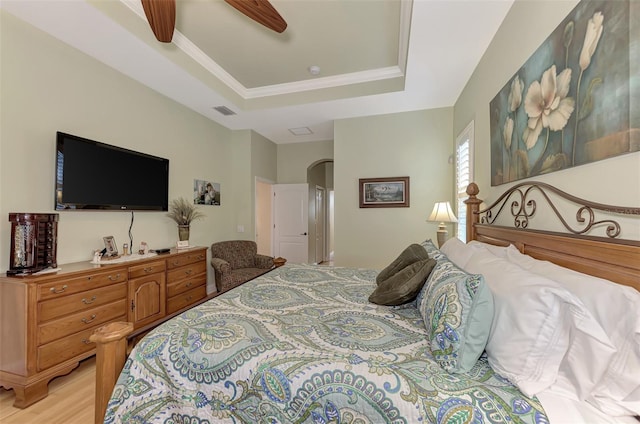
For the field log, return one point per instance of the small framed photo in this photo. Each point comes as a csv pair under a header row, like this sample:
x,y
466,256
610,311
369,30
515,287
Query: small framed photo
x,y
206,193
392,192
110,245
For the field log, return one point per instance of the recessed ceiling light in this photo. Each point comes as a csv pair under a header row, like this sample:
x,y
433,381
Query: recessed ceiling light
x,y
301,131
314,70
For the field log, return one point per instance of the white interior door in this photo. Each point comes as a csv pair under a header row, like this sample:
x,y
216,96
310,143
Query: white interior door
x,y
320,224
291,222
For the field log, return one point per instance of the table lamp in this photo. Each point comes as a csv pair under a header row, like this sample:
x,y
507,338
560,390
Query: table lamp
x,y
442,213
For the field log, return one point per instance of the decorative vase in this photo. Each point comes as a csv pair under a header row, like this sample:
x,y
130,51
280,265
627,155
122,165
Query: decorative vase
x,y
183,232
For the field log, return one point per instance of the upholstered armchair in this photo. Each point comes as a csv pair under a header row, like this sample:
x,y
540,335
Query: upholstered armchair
x,y
237,261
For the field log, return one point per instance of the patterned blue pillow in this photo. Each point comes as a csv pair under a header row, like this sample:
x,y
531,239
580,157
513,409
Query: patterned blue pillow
x,y
457,309
432,250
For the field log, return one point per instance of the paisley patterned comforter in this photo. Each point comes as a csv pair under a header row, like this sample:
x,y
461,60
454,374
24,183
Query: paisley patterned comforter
x,y
303,344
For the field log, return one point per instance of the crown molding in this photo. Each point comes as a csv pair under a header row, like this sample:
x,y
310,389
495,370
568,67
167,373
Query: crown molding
x,y
324,82
195,53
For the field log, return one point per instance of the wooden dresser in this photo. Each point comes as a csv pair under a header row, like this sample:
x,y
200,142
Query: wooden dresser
x,y
186,281
46,320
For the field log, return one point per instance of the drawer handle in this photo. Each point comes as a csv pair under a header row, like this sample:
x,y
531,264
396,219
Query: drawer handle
x,y
54,290
116,278
176,262
188,272
188,284
87,321
148,269
90,301
89,278
189,298
86,341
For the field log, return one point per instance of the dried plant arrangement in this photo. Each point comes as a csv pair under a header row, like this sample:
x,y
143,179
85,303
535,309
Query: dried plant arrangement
x,y
183,212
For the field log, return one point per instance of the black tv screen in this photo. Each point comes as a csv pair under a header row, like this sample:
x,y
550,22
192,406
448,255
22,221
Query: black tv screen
x,y
94,175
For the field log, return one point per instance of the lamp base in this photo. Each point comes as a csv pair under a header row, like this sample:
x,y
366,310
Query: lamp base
x,y
442,234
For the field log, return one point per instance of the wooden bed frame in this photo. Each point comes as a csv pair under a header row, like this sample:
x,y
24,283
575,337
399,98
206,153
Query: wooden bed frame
x,y
606,257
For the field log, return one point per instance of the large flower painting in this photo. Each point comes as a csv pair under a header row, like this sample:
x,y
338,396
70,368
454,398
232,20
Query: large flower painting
x,y
576,100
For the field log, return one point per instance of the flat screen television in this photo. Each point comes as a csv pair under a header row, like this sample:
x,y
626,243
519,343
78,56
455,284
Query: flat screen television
x,y
95,175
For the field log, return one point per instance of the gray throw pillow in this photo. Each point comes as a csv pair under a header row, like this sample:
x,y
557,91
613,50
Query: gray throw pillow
x,y
403,286
411,254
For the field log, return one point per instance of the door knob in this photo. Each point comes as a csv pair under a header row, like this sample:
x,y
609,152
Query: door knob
x,y
303,234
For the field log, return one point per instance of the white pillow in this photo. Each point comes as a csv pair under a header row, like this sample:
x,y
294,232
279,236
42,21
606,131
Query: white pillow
x,y
617,310
499,251
534,321
457,251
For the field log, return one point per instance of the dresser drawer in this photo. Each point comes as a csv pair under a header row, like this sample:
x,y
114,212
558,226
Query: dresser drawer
x,y
185,299
186,259
187,271
146,269
77,322
186,284
60,350
57,308
63,287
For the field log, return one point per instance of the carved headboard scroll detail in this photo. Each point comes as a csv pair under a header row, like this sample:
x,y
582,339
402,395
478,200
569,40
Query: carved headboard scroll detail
x,y
608,257
523,207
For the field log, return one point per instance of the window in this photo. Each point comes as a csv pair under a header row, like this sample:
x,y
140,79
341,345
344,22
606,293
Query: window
x,y
464,176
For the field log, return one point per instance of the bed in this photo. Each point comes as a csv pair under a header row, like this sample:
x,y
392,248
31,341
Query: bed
x,y
303,343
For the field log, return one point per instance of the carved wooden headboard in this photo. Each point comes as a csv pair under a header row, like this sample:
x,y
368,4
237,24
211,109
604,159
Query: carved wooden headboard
x,y
606,257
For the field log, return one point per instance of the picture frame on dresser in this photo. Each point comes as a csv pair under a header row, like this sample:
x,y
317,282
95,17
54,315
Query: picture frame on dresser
x,y
110,246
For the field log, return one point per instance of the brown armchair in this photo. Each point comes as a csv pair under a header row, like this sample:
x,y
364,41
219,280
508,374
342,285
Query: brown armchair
x,y
237,261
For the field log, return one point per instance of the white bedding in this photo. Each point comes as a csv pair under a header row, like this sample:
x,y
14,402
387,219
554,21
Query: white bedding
x,y
562,410
601,359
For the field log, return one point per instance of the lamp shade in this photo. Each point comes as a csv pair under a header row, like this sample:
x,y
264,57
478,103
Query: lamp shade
x,y
442,212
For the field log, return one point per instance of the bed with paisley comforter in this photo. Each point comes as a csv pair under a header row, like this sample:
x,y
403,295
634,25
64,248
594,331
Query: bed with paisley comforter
x,y
303,344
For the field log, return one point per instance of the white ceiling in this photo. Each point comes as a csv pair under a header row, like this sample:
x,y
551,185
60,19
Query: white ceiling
x,y
375,56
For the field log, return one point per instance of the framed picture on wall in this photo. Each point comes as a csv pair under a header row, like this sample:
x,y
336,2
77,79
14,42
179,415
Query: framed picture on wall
x,y
206,193
390,192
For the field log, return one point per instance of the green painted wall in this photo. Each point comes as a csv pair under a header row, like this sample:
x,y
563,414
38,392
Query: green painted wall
x,y
294,159
47,86
414,144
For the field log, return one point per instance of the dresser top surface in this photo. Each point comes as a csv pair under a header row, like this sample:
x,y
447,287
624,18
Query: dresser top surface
x,y
89,267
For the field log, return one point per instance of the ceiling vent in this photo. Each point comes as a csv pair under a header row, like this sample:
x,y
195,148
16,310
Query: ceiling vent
x,y
300,131
224,110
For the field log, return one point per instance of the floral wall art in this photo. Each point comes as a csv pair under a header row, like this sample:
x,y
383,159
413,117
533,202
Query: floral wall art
x,y
576,100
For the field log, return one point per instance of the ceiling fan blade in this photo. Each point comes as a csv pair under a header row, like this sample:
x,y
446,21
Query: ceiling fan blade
x,y
260,11
161,15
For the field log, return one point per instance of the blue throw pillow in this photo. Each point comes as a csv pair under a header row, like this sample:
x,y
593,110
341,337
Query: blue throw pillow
x,y
457,309
432,250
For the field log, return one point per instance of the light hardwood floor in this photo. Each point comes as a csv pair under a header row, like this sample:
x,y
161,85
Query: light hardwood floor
x,y
70,401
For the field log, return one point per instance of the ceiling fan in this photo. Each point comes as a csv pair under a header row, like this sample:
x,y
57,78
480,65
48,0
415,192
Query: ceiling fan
x,y
161,15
